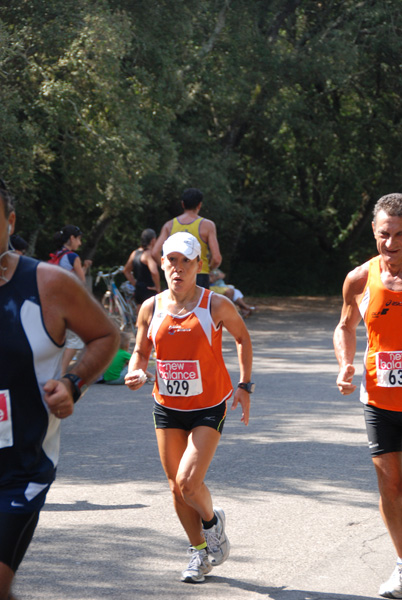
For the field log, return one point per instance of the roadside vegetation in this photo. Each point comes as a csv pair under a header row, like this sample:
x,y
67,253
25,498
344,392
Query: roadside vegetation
x,y
287,115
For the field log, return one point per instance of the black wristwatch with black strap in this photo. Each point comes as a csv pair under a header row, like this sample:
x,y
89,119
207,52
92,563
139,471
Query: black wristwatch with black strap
x,y
79,387
248,387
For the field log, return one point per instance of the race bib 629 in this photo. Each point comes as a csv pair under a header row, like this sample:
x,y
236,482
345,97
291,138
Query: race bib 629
x,y
179,377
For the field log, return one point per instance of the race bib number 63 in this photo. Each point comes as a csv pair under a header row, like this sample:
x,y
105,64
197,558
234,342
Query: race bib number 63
x,y
179,377
389,369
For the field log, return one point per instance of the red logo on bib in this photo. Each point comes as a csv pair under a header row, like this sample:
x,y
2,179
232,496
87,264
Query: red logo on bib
x,y
389,360
3,408
178,370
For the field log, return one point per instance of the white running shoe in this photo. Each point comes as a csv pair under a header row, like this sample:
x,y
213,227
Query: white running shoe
x,y
217,540
393,587
198,566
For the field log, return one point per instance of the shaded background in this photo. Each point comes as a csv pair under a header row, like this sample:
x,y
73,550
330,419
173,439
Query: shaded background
x,y
287,115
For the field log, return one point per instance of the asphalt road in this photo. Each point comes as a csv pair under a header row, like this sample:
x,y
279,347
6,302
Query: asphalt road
x,y
297,486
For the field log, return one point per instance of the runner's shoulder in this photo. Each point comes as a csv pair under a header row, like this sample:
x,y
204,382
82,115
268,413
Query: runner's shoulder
x,y
54,275
147,309
207,226
356,279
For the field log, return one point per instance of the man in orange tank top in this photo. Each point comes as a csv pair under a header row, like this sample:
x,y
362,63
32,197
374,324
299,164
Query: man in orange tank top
x,y
373,291
184,324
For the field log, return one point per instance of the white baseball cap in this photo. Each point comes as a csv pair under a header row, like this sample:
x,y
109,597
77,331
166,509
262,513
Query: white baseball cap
x,y
182,242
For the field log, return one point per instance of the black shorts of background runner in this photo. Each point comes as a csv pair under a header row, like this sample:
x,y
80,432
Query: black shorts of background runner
x,y
16,532
203,280
142,292
384,430
167,418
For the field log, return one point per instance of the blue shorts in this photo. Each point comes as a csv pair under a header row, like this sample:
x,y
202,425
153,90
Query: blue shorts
x,y
167,418
384,430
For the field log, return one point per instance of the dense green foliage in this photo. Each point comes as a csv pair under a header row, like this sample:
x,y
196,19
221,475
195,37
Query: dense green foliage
x,y
287,115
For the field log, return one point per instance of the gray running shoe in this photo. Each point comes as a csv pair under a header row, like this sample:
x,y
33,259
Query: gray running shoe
x,y
393,587
217,540
198,566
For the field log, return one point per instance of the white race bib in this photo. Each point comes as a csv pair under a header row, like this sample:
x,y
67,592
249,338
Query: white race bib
x,y
179,377
389,369
6,428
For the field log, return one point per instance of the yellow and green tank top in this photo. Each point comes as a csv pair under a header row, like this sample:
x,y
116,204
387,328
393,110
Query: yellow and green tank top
x,y
194,229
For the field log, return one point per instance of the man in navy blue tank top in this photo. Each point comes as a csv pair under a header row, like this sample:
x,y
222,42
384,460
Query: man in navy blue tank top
x,y
37,302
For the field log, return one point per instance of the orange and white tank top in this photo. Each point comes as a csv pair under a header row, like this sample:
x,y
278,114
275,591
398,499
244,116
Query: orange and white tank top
x,y
381,310
194,229
190,370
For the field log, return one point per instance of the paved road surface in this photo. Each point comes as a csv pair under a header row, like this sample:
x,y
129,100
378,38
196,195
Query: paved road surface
x,y
297,487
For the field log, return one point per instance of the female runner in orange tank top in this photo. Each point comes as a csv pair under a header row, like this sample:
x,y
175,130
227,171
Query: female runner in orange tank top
x,y
187,438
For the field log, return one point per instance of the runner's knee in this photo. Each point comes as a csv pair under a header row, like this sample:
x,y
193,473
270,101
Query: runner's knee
x,y
188,486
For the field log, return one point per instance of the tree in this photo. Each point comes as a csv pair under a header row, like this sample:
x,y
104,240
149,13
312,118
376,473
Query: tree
x,y
286,114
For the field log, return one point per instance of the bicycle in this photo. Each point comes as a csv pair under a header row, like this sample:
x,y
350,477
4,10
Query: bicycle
x,y
119,303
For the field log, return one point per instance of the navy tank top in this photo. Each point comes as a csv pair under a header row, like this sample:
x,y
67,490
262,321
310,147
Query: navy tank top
x,y
29,434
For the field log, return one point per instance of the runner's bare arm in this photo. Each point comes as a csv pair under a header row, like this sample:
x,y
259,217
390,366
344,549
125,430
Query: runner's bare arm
x,y
143,347
163,236
153,268
224,311
345,332
128,269
208,233
67,304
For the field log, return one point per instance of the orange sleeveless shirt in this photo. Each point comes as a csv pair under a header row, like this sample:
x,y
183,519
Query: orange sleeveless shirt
x,y
190,370
381,310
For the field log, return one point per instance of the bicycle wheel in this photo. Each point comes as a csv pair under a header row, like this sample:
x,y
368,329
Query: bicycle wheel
x,y
114,310
132,318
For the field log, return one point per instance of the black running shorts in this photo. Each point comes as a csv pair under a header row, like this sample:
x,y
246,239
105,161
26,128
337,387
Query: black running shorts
x,y
384,430
166,418
203,280
16,532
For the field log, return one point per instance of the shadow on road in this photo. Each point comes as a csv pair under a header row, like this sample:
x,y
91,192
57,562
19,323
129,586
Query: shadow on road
x,y
282,593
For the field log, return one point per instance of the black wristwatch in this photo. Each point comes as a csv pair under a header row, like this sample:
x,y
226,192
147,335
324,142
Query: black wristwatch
x,y
79,387
249,387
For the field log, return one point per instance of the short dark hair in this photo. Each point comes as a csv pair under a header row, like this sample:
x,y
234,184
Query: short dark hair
x,y
6,197
146,237
18,243
191,198
391,204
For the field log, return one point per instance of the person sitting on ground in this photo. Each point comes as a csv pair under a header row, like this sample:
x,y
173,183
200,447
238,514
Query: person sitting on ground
x,y
219,286
117,370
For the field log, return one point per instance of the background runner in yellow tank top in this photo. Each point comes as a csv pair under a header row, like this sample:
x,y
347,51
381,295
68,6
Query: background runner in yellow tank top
x,y
203,229
194,229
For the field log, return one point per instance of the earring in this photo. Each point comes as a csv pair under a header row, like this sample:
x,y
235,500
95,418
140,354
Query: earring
x,y
9,229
